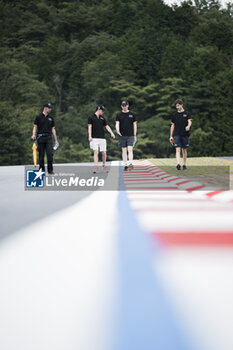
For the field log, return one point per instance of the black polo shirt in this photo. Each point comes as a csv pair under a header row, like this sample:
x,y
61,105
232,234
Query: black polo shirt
x,y
126,123
98,124
44,124
180,119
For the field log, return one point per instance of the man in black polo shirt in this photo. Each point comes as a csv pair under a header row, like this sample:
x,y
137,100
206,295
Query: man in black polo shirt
x,y
43,129
179,133
96,125
126,127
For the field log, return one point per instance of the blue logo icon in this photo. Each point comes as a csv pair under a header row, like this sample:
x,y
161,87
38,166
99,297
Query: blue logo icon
x,y
35,178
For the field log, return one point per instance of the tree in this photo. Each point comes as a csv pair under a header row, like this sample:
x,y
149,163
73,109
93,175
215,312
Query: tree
x,y
13,148
222,89
200,141
155,131
78,54
69,152
170,90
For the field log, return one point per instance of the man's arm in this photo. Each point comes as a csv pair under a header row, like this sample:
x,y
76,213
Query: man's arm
x,y
34,131
135,131
89,132
54,134
171,131
110,131
187,128
118,128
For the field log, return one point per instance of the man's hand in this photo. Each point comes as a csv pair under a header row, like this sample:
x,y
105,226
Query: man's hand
x,y
135,139
90,138
171,139
33,137
113,136
187,128
56,145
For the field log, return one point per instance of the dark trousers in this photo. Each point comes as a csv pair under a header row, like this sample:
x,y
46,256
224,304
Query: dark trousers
x,y
45,143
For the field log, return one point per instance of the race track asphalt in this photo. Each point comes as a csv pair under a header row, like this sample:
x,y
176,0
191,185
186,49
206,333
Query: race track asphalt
x,y
19,208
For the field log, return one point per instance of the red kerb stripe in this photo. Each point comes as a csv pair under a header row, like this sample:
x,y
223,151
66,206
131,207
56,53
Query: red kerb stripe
x,y
196,238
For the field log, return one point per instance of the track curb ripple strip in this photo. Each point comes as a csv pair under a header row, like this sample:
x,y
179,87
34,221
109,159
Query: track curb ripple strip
x,y
207,215
192,232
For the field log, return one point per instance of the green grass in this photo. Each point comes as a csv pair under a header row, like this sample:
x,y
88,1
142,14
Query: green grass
x,y
196,166
209,166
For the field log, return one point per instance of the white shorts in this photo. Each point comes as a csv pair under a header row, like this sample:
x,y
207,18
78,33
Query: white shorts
x,y
97,144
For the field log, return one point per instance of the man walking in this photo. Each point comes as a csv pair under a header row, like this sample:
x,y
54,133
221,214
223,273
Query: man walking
x,y
43,130
96,126
179,133
126,127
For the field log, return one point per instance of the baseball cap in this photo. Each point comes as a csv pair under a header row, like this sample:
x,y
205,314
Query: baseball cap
x,y
125,103
48,105
100,107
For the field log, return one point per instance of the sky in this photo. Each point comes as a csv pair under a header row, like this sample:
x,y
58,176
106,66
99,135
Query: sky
x,y
169,2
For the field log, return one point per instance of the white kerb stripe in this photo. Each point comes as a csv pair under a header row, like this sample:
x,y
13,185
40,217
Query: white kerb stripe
x,y
57,279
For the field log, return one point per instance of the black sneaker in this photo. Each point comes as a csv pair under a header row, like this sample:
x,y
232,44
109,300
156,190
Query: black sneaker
x,y
50,172
184,167
178,167
126,168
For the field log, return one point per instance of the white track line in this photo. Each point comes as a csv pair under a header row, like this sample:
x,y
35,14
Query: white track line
x,y
58,279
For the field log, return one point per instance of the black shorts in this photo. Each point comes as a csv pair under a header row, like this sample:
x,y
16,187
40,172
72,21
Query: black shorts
x,y
125,141
181,141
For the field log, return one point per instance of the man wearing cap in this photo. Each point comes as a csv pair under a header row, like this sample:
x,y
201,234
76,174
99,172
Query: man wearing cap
x,y
43,130
126,127
96,126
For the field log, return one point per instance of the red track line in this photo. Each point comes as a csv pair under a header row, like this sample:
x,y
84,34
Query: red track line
x,y
157,172
144,166
166,177
176,178
137,173
195,188
152,188
197,238
204,200
142,177
180,192
142,180
183,182
190,209
211,194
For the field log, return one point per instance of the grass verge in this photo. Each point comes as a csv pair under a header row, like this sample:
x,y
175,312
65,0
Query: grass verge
x,y
207,170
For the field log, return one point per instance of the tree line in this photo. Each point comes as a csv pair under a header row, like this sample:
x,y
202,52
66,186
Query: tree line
x,y
77,54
